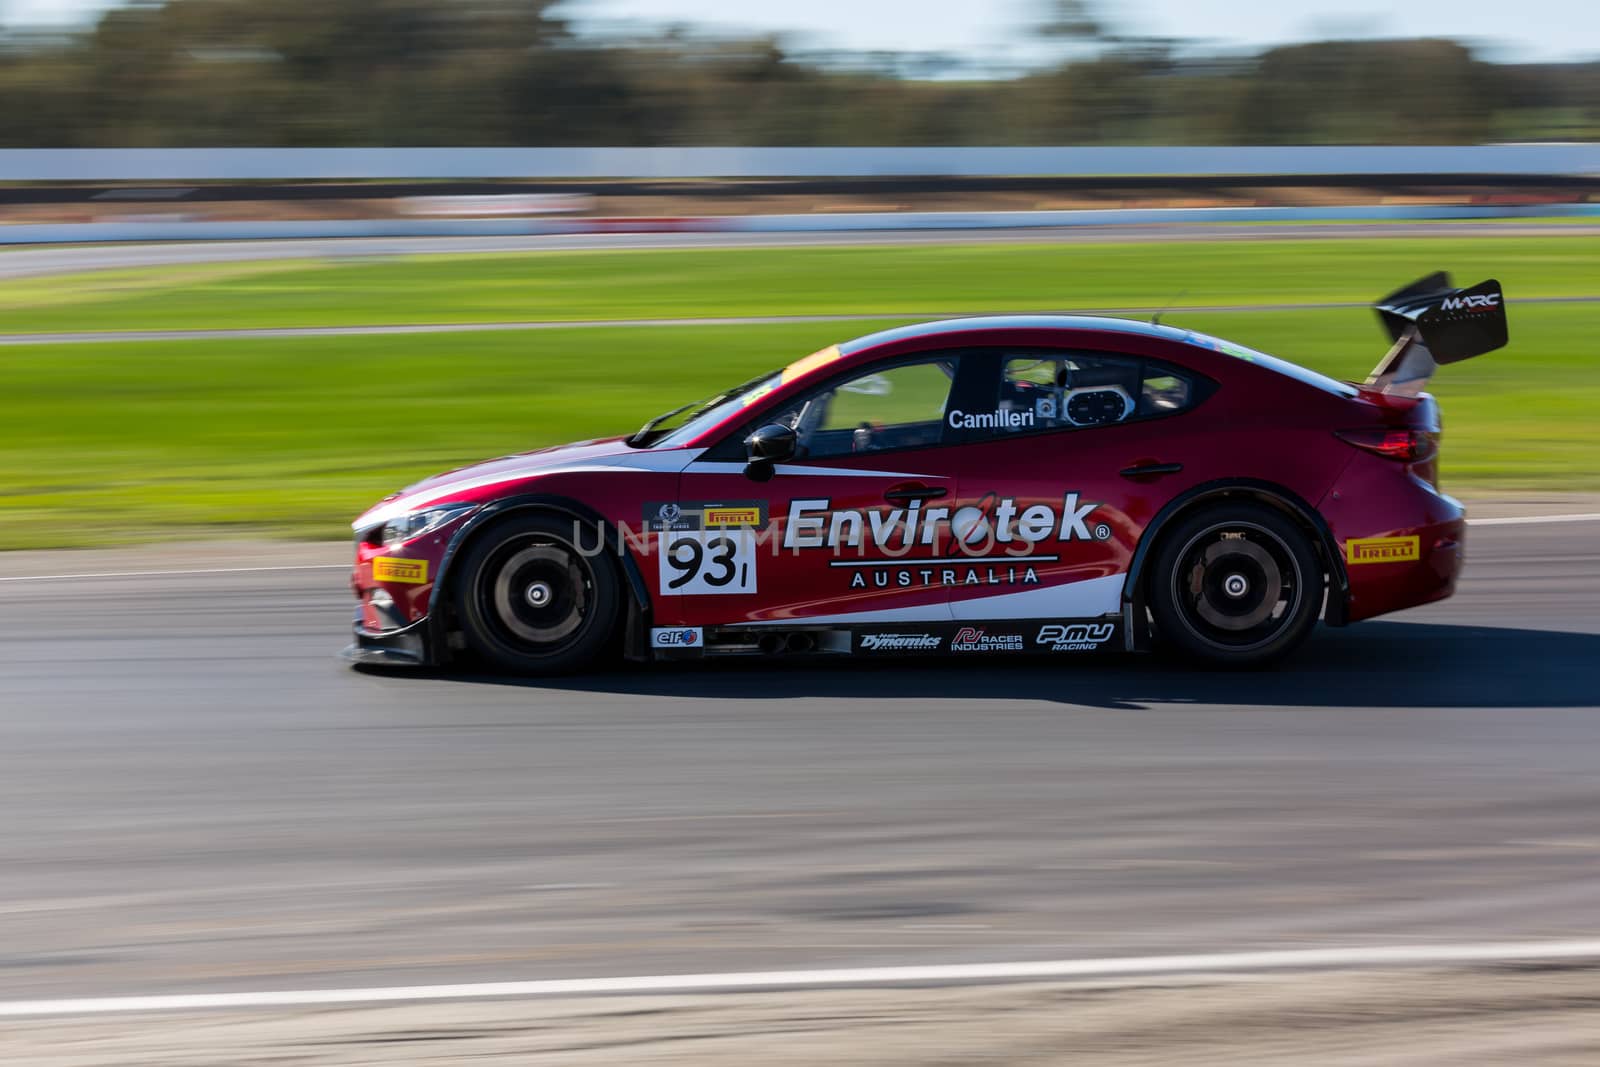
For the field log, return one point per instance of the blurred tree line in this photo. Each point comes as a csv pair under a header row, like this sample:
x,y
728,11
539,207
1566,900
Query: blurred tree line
x,y
513,72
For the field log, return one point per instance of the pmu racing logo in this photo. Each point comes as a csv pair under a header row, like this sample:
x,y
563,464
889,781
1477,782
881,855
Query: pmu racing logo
x,y
968,639
676,637
900,642
1480,302
1075,637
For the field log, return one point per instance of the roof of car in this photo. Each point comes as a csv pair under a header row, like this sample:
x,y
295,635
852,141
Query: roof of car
x,y
1015,322
1105,324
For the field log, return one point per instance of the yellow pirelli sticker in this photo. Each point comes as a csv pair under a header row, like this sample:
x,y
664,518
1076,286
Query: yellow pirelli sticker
x,y
395,569
732,517
1382,550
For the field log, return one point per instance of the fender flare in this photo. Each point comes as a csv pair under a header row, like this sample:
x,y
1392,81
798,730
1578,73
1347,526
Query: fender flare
x,y
1133,600
638,617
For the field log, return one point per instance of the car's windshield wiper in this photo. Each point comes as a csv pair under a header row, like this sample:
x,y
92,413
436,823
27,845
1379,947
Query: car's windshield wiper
x,y
642,436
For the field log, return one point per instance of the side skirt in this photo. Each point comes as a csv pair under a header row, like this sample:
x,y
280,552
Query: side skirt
x,y
1000,637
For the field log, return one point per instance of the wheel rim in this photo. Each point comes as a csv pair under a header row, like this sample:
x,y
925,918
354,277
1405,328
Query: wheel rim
x,y
1237,585
537,593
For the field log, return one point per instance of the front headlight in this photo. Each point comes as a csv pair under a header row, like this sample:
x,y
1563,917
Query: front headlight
x,y
416,523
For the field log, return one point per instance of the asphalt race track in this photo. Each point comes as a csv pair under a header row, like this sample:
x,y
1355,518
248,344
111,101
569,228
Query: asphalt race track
x,y
198,796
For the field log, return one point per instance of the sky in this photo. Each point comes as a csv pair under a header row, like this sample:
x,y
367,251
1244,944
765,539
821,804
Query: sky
x,y
1525,30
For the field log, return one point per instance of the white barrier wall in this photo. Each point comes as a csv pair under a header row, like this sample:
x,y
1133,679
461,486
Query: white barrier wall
x,y
247,164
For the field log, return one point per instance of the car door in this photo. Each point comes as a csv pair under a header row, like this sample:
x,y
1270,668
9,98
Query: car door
x,y
1059,472
847,531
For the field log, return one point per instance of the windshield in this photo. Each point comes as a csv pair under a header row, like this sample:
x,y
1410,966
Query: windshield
x,y
685,423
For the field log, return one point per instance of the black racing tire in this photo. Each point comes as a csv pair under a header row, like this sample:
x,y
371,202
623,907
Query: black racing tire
x,y
534,596
1235,585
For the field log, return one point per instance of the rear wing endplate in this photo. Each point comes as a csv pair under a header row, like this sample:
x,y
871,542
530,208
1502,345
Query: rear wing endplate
x,y
1432,323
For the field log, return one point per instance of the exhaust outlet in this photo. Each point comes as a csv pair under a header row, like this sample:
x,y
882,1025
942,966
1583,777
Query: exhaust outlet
x,y
770,644
800,643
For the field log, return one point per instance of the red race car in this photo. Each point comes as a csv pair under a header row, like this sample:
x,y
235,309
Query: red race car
x,y
1035,484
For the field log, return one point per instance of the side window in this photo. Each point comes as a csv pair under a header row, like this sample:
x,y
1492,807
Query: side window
x,y
1052,390
896,407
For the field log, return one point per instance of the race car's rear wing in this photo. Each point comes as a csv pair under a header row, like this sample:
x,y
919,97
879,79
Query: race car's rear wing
x,y
1432,322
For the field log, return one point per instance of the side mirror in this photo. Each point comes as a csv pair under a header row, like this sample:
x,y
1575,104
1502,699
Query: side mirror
x,y
767,447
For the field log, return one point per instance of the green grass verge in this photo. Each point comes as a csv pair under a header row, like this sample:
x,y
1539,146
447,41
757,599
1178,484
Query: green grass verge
x,y
117,442
568,286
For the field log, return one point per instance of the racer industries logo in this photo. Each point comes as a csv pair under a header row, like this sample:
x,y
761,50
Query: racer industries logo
x,y
968,639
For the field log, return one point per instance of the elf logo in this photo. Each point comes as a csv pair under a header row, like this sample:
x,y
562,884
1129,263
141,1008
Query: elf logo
x,y
676,637
1481,302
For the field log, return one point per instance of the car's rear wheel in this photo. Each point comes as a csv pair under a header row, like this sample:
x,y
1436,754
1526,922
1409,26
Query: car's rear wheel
x,y
530,600
1235,585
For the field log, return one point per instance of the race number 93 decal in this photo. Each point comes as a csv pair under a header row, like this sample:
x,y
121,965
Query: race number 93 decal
x,y
706,562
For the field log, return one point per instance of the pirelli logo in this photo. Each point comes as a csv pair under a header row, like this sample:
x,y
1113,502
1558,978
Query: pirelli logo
x,y
740,516
1382,550
395,569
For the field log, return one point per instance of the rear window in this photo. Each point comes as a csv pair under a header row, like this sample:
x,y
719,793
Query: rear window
x,y
1052,389
1282,366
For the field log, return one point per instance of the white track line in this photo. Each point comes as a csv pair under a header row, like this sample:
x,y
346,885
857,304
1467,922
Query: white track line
x,y
1523,520
166,574
1593,516
745,981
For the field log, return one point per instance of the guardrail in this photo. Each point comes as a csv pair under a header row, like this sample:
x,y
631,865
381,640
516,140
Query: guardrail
x,y
287,164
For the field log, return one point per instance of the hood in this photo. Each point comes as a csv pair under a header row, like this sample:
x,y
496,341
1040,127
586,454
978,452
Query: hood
x,y
482,481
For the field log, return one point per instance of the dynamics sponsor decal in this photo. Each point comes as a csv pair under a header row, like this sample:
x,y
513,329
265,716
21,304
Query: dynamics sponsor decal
x,y
395,569
970,639
1382,550
677,637
900,642
1074,637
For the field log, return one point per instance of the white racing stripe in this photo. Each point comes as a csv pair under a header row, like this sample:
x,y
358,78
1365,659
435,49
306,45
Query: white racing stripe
x,y
744,981
1523,520
1528,520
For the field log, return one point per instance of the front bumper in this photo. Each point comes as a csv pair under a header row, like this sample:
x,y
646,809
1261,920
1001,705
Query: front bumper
x,y
405,647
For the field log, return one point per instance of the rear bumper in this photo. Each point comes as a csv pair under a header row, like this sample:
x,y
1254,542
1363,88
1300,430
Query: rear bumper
x,y
406,647
1425,566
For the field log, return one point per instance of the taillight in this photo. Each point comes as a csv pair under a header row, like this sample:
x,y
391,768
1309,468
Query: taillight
x,y
1406,446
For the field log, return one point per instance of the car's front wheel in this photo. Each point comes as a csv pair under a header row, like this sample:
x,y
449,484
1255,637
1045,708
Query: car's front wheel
x,y
530,599
1235,585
